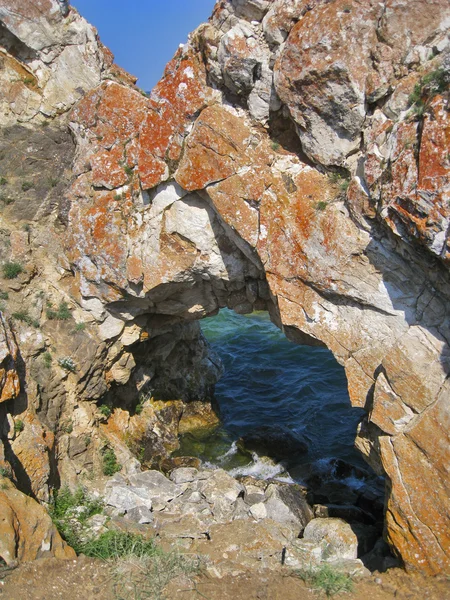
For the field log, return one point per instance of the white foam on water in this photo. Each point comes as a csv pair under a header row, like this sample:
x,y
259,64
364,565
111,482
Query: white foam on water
x,y
231,452
353,482
262,468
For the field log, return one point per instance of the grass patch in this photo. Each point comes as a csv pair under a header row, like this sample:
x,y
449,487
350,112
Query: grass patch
x,y
4,296
105,410
11,270
275,146
116,544
339,180
128,170
67,426
430,85
110,462
61,314
47,360
22,315
79,327
321,205
27,185
144,578
19,426
140,405
326,579
3,181
70,511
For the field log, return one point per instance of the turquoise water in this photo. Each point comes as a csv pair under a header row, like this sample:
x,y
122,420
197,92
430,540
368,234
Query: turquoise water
x,y
269,380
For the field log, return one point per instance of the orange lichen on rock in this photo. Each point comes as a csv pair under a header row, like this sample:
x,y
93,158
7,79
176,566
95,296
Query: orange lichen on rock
x,y
175,101
9,377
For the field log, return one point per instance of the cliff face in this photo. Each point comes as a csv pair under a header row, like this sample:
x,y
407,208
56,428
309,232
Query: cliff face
x,y
294,158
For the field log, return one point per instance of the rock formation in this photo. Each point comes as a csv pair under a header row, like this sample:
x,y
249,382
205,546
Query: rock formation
x,y
293,158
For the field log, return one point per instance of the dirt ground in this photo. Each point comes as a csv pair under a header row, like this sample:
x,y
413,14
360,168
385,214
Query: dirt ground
x,y
88,579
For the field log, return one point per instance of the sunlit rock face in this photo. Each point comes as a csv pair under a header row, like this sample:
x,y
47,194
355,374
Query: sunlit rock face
x,y
280,163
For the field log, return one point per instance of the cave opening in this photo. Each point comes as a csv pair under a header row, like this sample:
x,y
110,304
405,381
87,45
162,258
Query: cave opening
x,y
284,408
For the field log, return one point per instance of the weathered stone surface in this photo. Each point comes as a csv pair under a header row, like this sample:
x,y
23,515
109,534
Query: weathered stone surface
x,y
125,499
183,475
157,487
335,537
9,378
26,530
221,486
286,505
32,449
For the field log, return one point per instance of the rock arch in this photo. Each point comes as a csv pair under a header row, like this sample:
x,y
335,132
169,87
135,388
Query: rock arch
x,y
182,203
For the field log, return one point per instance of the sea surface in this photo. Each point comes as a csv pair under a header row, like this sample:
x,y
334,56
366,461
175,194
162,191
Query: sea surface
x,y
271,381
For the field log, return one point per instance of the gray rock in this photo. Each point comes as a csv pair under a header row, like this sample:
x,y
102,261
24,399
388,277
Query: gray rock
x,y
334,536
253,10
140,514
258,511
253,495
221,486
195,497
353,567
240,510
158,487
286,505
223,509
95,525
127,498
184,475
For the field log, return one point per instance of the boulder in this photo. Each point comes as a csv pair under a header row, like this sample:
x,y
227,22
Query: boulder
x,y
26,530
183,475
127,498
285,504
221,486
335,537
156,486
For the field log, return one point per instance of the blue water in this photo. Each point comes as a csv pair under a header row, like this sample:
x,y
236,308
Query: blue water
x,y
269,380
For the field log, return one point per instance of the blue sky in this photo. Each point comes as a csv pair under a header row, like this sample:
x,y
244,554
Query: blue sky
x,y
144,34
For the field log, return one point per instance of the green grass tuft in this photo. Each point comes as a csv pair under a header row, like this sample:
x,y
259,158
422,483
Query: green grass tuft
x,y
116,544
128,170
47,360
22,315
61,314
105,410
11,270
19,426
326,579
27,185
110,463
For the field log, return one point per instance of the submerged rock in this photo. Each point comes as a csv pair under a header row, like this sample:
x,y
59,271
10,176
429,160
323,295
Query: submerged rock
x,y
274,441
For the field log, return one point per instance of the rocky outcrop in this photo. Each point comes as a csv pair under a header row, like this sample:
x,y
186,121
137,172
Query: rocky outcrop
x,y
271,168
26,530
